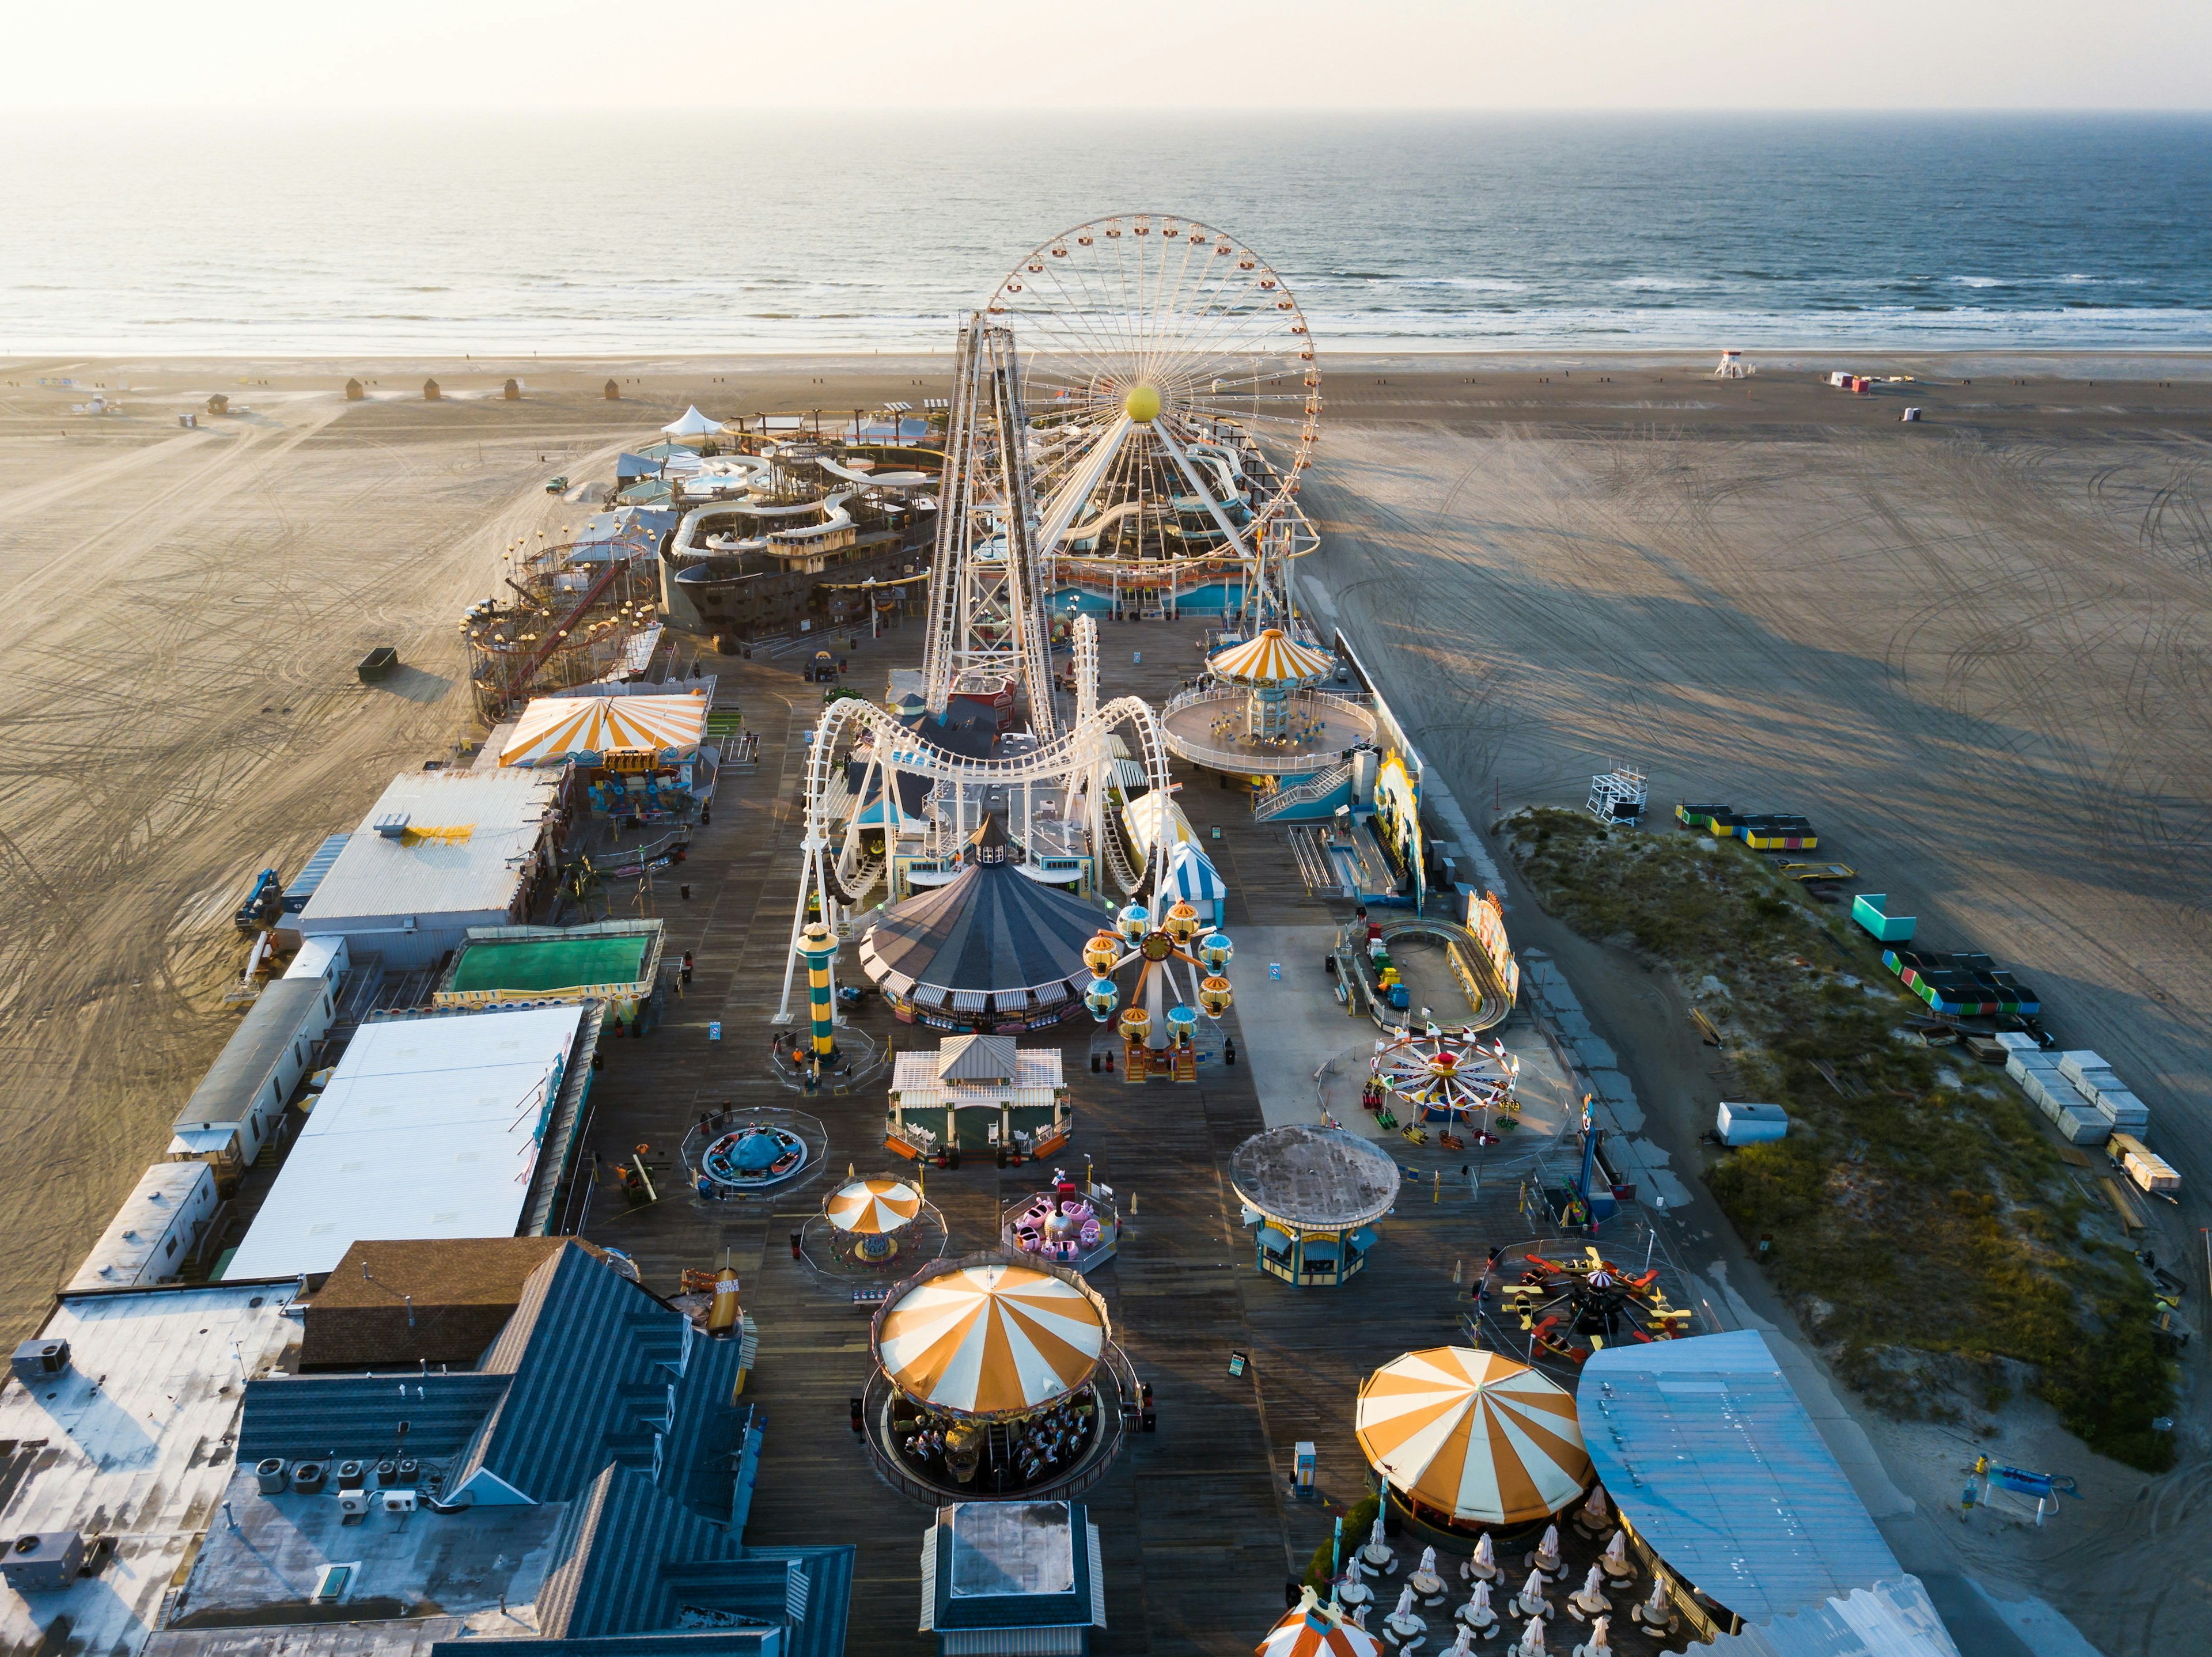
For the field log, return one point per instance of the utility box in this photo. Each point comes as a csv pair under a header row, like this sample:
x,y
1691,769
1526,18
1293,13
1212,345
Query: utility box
x,y
39,1361
43,1562
1867,910
1740,1124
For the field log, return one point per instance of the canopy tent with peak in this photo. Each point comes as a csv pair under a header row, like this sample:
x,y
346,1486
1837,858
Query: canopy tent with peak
x,y
692,423
990,950
1470,1438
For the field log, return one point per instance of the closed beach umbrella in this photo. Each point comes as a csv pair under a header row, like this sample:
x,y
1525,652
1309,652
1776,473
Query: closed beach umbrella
x,y
990,1338
1475,1434
873,1208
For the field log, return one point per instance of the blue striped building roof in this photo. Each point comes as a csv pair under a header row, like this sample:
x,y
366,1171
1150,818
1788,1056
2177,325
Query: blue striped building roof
x,y
1705,1449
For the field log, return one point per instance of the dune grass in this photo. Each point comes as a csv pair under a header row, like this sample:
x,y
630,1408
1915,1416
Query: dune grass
x,y
1924,1226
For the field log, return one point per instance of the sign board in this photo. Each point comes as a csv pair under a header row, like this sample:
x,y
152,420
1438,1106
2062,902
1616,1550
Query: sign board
x,y
632,760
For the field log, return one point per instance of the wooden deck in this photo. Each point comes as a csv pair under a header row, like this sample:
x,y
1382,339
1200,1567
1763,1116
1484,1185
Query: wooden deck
x,y
1200,1531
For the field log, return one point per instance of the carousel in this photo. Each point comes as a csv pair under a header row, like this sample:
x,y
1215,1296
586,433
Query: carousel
x,y
996,1377
1470,1442
868,1227
1262,713
1452,1080
1312,1195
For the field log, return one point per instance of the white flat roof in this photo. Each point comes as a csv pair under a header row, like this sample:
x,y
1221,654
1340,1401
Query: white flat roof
x,y
430,872
428,1128
143,1224
130,1457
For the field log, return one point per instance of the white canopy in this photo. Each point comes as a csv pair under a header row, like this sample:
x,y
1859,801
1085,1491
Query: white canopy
x,y
693,424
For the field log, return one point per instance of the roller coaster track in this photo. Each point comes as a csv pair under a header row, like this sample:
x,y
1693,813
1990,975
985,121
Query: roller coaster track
x,y
1079,758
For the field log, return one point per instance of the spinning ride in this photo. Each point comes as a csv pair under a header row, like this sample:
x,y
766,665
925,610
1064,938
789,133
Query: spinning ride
x,y
871,1212
1567,1307
752,1157
1158,1039
868,1227
1174,402
1072,1225
994,1378
1448,1076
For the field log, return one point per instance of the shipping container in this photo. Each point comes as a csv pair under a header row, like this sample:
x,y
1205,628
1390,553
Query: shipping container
x,y
1738,1123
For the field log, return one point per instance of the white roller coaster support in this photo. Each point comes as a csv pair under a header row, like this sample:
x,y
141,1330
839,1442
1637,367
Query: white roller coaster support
x,y
1078,759
1085,643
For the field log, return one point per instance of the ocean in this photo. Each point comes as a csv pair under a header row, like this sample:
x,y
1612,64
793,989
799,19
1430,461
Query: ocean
x,y
597,232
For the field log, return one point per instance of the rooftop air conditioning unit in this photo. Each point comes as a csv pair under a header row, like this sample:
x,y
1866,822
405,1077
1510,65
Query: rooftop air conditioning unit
x,y
353,1502
398,1500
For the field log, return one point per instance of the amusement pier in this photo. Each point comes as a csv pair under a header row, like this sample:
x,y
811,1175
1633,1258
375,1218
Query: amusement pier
x,y
939,1074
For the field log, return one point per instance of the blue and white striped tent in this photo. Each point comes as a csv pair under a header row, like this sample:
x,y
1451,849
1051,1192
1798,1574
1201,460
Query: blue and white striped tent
x,y
1189,875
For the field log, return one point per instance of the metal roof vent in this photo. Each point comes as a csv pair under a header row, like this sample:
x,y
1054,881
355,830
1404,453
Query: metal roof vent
x,y
392,825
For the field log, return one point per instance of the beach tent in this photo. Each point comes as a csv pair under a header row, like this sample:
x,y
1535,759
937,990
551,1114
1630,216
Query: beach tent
x,y
991,1338
1474,1434
553,728
628,466
1191,874
692,424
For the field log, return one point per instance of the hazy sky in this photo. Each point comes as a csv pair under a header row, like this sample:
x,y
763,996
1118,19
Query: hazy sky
x,y
1192,55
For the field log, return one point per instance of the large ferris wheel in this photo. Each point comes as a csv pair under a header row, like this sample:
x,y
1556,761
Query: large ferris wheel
x,y
1174,398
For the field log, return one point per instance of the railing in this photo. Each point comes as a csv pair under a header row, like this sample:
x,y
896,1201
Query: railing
x,y
1312,788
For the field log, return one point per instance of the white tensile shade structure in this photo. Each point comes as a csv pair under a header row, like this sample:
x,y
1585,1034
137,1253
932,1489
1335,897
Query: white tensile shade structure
x,y
1312,1629
873,1208
990,1338
1472,1434
552,728
692,424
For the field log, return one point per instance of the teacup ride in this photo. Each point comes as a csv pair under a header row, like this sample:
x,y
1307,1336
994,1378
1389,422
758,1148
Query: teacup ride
x,y
997,1377
752,1157
1074,1224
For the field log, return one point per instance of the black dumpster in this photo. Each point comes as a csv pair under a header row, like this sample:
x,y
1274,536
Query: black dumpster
x,y
377,664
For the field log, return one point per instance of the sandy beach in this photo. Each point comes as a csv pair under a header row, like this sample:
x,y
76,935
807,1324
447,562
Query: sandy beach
x,y
1974,649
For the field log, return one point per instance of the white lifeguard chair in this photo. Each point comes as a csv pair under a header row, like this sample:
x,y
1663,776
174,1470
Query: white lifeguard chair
x,y
1619,796
1733,366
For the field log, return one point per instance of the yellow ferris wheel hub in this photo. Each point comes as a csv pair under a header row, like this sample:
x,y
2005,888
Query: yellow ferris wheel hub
x,y
1142,404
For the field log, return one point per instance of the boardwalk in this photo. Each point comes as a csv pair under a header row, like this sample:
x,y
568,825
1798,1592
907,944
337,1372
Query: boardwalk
x,y
1199,1529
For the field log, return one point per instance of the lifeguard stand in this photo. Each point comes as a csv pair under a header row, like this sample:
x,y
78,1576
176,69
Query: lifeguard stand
x,y
1619,796
1733,366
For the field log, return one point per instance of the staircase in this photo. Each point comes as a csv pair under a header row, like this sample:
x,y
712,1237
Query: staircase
x,y
1317,786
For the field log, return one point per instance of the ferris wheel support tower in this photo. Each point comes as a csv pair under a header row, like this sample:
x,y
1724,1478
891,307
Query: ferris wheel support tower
x,y
987,598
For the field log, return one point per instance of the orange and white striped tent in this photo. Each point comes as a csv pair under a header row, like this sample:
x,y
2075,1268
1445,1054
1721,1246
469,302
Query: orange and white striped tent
x,y
870,1208
1312,1629
990,1338
1272,658
553,727
1475,1434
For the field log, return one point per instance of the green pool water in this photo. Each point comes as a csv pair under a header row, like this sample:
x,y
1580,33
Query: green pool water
x,y
552,963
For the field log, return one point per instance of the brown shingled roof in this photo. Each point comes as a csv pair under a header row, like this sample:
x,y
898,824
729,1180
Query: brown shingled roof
x,y
462,1292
